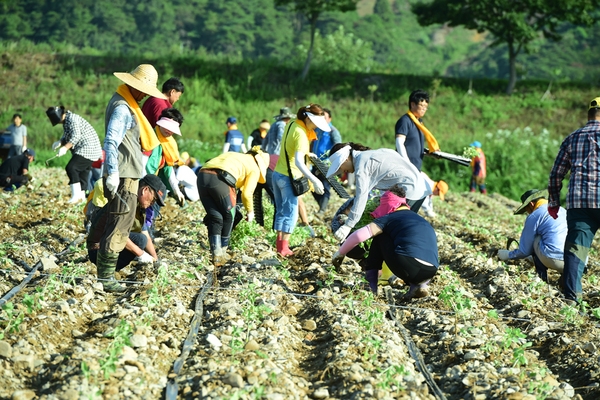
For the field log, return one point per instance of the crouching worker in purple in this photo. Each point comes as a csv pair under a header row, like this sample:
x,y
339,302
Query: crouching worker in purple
x,y
139,245
403,239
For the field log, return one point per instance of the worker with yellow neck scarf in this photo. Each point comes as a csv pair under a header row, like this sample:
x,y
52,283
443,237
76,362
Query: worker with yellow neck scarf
x,y
543,238
411,133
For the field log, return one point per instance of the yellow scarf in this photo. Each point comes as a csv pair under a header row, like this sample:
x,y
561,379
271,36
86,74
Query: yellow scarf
x,y
147,137
169,149
310,134
538,203
431,142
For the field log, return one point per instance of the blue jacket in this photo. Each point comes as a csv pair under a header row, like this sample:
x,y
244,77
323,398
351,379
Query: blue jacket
x,y
325,141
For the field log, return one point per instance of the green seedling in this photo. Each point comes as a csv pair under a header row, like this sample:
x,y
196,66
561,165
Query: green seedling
x,y
121,335
391,377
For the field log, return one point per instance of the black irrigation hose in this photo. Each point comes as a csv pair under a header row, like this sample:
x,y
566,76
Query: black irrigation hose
x,y
412,348
33,270
172,387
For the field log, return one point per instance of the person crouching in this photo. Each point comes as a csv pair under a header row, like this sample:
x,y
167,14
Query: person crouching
x,y
403,239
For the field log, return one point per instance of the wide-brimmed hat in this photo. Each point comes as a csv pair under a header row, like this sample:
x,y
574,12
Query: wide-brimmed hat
x,y
55,114
284,113
142,78
262,159
337,159
158,186
169,124
443,188
530,196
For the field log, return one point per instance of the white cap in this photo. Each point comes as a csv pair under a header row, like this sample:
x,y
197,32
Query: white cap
x,y
337,159
319,121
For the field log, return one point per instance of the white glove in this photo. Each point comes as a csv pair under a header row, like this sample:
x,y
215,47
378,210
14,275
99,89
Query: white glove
x,y
318,186
145,258
24,148
112,182
56,145
503,255
342,232
250,217
62,151
337,259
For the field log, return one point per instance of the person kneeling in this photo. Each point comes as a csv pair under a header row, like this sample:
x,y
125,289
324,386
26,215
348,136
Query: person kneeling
x,y
139,245
402,238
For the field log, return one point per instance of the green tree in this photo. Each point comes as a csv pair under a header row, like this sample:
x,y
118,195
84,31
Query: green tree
x,y
516,23
312,9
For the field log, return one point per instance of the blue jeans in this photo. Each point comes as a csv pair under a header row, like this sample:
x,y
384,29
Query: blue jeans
x,y
582,225
286,204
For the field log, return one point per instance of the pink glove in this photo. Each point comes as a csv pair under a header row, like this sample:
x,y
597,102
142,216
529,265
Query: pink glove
x,y
553,211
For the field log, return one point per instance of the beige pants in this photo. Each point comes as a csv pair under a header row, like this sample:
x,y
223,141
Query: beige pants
x,y
121,216
551,263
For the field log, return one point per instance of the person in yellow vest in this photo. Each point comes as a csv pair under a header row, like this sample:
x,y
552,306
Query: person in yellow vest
x,y
479,169
411,133
127,133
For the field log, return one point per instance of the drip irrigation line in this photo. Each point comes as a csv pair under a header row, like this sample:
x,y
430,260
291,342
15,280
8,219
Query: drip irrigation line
x,y
33,270
172,388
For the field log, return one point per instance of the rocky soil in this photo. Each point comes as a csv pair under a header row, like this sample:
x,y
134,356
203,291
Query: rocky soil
x,y
284,329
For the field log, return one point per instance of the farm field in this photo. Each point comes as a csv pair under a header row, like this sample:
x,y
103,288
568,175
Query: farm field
x,y
284,329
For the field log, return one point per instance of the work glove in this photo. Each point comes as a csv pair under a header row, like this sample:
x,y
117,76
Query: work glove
x,y
318,186
372,276
553,211
145,258
250,216
62,151
56,145
342,232
112,182
503,255
337,259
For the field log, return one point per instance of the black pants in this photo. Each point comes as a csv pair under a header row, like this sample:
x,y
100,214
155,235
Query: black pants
x,y
125,257
78,170
218,199
17,180
259,213
406,268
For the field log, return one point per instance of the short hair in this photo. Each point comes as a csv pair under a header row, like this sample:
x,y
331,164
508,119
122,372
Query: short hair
x,y
172,83
328,111
398,190
416,96
17,115
173,114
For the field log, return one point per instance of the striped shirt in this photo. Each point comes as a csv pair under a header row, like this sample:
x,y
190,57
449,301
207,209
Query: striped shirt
x,y
82,136
579,153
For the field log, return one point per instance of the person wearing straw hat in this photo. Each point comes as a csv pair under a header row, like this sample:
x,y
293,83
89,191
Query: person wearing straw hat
x,y
579,154
127,133
375,169
291,166
218,180
258,135
542,237
82,140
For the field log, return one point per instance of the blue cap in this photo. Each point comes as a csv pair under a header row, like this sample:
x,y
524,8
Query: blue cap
x,y
231,120
30,152
475,144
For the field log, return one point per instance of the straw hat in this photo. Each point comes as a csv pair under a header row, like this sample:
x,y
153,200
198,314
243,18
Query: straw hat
x,y
142,78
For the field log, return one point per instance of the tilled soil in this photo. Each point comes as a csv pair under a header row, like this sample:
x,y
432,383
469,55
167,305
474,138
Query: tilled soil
x,y
284,329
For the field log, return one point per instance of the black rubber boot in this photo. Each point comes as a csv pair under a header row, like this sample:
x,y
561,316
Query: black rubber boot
x,y
105,265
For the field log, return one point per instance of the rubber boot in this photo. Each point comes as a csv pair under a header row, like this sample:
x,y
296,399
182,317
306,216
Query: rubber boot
x,y
285,249
105,265
224,246
371,277
278,245
417,291
77,195
215,250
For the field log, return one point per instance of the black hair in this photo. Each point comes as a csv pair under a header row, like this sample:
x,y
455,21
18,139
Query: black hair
x,y
593,112
398,190
328,111
17,115
172,83
354,146
173,114
416,96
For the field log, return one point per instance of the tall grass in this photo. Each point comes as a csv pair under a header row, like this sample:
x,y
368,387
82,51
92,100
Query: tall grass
x,y
520,134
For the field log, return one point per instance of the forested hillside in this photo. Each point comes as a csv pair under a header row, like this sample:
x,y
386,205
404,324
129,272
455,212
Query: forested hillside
x,y
380,35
